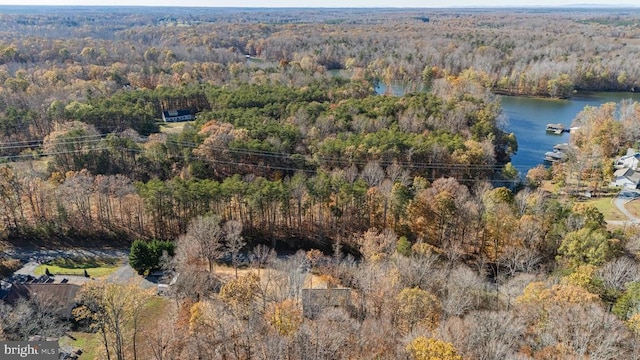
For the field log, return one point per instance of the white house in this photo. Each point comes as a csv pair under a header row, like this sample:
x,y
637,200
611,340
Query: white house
x,y
629,161
177,116
628,178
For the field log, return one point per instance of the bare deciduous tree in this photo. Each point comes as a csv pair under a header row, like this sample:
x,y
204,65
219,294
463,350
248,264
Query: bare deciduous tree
x,y
234,242
28,317
203,240
616,274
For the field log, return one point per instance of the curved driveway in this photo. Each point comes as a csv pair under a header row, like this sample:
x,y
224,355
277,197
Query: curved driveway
x,y
619,203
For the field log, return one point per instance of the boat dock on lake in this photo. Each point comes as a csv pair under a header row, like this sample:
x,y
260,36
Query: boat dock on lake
x,y
559,153
556,129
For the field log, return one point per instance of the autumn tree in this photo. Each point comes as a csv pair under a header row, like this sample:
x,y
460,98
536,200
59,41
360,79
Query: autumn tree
x,y
588,246
423,348
114,311
241,292
376,246
416,306
72,146
285,317
202,242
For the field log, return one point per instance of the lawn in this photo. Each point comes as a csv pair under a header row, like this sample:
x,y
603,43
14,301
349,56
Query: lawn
x,y
95,267
90,343
173,127
607,208
633,207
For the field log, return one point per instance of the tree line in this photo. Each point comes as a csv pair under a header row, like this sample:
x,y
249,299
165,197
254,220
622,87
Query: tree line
x,y
280,160
396,198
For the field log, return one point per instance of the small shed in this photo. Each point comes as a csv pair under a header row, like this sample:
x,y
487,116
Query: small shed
x,y
316,300
177,115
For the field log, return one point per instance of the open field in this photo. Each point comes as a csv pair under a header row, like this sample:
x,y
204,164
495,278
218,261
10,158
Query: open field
x,y
173,127
91,344
607,208
633,207
95,267
88,342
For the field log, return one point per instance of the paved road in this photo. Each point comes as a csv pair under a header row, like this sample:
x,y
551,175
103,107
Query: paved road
x,y
620,203
126,275
28,268
42,256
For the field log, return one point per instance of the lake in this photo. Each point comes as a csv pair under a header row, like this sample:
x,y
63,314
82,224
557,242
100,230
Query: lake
x,y
528,117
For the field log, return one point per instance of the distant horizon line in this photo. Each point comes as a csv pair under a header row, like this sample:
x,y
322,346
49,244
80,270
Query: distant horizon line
x,y
571,6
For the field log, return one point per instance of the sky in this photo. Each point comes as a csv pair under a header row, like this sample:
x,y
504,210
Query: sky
x,y
328,3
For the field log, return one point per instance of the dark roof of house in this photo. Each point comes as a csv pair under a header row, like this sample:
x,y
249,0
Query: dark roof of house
x,y
60,298
174,113
634,176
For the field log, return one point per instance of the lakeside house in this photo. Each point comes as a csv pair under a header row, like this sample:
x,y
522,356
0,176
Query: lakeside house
x,y
626,174
626,178
628,161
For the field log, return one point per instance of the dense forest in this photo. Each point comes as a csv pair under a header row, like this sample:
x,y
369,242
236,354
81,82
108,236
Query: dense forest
x,y
300,173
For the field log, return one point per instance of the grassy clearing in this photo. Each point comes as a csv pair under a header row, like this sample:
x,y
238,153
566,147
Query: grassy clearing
x,y
95,267
173,127
607,208
157,307
227,273
633,207
90,344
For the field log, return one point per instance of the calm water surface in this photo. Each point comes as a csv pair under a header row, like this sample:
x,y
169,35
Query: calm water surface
x,y
528,117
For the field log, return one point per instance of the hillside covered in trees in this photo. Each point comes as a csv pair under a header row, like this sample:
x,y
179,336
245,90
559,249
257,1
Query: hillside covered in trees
x,y
300,175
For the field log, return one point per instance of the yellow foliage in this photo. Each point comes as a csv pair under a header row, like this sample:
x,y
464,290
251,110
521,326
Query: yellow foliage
x,y
634,323
422,348
417,306
539,293
581,277
242,290
571,294
329,280
424,249
314,255
285,317
197,315
377,246
532,293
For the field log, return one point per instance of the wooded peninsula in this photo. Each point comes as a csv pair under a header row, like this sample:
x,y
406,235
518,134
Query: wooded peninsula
x,y
299,208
